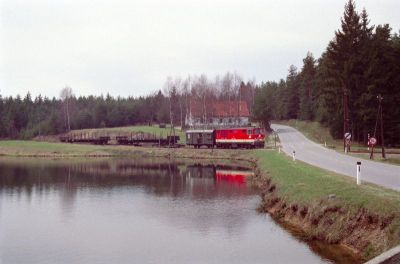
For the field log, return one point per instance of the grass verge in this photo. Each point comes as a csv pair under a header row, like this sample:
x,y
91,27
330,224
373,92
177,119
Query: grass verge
x,y
328,206
20,148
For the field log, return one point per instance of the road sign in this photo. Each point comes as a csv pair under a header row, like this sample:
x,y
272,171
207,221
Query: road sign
x,y
347,135
372,141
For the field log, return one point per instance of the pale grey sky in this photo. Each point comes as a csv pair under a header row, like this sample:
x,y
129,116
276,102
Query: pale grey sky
x,y
128,47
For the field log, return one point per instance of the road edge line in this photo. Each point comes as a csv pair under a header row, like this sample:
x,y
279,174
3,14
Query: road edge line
x,y
385,256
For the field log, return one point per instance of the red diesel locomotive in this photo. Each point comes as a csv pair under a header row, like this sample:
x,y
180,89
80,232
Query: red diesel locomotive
x,y
243,137
250,137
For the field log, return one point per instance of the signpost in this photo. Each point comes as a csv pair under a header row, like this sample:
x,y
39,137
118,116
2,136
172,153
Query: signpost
x,y
347,137
368,141
379,117
372,142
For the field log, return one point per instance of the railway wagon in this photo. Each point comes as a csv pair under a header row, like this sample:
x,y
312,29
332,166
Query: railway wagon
x,y
199,138
244,137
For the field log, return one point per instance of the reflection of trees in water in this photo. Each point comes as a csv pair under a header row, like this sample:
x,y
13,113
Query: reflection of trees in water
x,y
161,178
69,192
203,202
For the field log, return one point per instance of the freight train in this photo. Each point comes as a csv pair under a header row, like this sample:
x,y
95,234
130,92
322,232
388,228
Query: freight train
x,y
243,137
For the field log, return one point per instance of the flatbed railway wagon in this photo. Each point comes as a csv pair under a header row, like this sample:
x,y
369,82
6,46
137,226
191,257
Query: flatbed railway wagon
x,y
243,137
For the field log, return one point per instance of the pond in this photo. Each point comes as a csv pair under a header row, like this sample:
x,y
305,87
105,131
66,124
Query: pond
x,y
137,211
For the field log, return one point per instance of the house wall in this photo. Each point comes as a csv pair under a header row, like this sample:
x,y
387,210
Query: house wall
x,y
219,122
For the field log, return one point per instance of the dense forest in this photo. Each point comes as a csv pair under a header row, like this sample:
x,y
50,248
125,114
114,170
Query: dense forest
x,y
29,117
361,62
26,117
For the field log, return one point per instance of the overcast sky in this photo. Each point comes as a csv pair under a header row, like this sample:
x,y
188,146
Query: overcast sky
x,y
128,47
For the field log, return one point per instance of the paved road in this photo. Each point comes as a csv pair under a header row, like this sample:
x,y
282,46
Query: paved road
x,y
317,155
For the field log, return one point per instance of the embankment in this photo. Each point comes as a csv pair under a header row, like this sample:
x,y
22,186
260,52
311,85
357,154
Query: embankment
x,y
364,220
63,150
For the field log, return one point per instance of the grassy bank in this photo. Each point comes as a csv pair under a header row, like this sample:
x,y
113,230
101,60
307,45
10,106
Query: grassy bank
x,y
20,148
320,134
328,206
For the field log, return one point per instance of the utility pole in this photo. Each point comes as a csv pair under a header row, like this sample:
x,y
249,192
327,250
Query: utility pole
x,y
380,98
345,119
379,116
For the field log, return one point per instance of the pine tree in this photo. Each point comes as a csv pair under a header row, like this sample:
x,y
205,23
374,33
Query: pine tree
x,y
343,61
306,89
292,94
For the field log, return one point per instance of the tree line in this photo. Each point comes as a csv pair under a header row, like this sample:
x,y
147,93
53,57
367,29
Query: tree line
x,y
27,117
340,89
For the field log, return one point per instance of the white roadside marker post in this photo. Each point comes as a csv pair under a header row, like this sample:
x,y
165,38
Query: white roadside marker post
x,y
358,172
294,155
279,149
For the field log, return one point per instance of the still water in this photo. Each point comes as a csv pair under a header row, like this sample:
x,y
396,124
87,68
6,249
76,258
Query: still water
x,y
137,211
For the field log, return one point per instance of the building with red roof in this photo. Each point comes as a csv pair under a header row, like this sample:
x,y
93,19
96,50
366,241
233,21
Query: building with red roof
x,y
218,114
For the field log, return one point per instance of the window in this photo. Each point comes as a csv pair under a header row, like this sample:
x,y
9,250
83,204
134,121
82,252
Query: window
x,y
249,132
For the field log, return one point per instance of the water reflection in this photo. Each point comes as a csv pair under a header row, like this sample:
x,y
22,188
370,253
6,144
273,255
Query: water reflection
x,y
136,210
162,179
158,178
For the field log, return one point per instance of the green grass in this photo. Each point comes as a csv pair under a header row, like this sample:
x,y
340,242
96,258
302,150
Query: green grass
x,y
20,148
304,184
16,147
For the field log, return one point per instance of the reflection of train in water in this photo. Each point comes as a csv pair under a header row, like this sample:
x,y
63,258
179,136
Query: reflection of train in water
x,y
243,137
218,173
232,176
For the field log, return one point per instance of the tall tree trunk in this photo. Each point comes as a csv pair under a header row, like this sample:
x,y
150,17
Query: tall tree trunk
x,y
69,126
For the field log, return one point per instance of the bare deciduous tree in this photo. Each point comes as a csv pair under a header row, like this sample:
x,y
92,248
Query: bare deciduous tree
x,y
65,95
204,92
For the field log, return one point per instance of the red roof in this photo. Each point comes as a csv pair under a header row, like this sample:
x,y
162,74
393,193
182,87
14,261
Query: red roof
x,y
220,109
